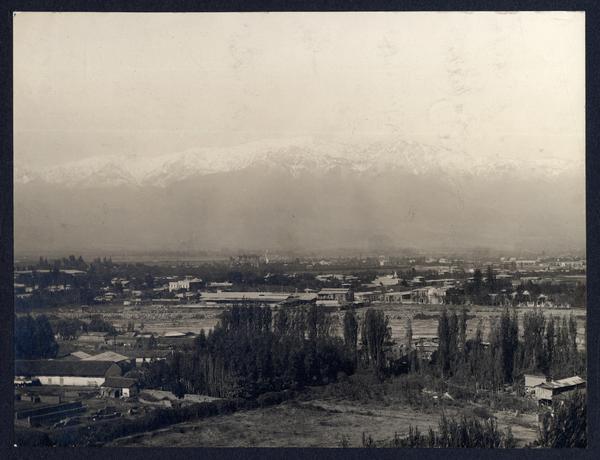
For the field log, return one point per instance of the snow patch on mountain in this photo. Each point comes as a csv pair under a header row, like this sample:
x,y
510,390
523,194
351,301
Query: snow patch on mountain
x,y
294,157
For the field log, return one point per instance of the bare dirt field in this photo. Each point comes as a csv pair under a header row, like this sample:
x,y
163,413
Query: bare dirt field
x,y
315,423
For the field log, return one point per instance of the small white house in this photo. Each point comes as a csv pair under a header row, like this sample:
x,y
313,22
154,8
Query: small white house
x,y
119,387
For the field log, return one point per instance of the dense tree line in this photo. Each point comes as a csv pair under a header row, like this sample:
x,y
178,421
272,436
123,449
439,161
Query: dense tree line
x,y
68,328
71,262
34,338
101,270
375,335
97,324
487,289
566,426
251,351
542,345
47,299
351,334
71,328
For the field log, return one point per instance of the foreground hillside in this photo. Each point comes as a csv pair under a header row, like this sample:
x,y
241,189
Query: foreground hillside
x,y
327,418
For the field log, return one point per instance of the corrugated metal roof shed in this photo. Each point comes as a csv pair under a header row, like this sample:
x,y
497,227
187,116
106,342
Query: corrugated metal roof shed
x,y
62,368
562,383
119,382
80,354
107,356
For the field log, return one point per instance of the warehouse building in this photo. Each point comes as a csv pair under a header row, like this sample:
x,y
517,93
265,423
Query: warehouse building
x,y
66,373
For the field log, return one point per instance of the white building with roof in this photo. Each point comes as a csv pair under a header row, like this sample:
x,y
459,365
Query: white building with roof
x,y
546,392
189,284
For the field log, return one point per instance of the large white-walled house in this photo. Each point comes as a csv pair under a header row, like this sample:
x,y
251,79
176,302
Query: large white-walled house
x,y
66,373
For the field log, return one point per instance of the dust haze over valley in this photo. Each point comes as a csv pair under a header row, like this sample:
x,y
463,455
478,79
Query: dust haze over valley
x,y
294,197
267,131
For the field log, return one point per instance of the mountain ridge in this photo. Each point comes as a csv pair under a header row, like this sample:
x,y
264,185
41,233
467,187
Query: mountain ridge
x,y
293,157
299,196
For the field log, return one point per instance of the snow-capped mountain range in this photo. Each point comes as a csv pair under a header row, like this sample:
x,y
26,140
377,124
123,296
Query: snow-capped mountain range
x,y
294,157
301,195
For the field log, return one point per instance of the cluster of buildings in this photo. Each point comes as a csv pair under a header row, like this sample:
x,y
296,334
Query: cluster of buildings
x,y
327,297
79,369
546,391
84,387
389,288
50,390
25,282
423,281
545,264
186,284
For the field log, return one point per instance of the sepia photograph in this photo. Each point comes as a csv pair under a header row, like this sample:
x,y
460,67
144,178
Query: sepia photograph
x,y
300,229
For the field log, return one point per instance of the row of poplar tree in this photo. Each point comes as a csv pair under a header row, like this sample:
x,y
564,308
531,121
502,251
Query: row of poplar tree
x,y
253,351
545,345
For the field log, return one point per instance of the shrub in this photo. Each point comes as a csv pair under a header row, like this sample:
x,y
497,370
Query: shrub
x,y
245,404
270,399
31,438
466,432
368,441
102,432
224,406
567,426
343,442
482,412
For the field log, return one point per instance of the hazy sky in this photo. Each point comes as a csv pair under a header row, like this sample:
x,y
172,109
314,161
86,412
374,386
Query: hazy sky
x,y
88,84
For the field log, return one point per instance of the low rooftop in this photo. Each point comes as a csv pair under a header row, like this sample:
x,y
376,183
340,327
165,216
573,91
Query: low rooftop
x,y
119,382
240,296
49,367
107,356
563,383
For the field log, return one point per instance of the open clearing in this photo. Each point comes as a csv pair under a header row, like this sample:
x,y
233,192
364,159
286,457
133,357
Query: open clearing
x,y
315,423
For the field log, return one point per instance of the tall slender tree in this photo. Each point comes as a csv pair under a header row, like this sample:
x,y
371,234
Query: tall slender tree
x,y
491,279
351,332
409,334
549,346
462,331
444,353
374,333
